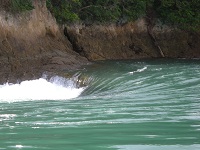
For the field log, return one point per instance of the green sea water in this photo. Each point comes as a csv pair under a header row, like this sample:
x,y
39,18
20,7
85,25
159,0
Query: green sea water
x,y
126,105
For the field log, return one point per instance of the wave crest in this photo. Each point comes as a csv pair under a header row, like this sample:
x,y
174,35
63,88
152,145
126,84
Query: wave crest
x,y
56,88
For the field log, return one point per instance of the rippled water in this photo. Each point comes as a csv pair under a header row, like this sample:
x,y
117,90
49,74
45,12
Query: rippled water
x,y
127,105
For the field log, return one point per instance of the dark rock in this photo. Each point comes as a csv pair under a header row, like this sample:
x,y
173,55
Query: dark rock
x,y
135,48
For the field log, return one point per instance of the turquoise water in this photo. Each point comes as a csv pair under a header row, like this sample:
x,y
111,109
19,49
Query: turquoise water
x,y
127,105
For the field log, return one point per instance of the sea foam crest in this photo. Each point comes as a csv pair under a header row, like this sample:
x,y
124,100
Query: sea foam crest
x,y
56,88
138,70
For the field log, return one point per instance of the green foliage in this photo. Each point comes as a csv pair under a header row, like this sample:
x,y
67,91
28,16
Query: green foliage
x,y
133,9
112,10
182,13
100,11
21,5
64,10
96,10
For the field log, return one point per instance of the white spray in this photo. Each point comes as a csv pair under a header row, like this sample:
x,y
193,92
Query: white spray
x,y
57,88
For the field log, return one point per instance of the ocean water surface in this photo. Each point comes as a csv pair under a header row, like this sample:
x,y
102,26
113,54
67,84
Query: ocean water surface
x,y
120,105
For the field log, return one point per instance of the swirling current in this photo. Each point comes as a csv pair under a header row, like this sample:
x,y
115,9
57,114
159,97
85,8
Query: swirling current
x,y
117,105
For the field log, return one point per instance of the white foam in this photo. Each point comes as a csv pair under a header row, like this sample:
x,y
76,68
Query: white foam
x,y
138,70
19,146
56,88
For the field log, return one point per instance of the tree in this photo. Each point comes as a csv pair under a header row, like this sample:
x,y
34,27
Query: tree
x,y
96,10
64,10
182,13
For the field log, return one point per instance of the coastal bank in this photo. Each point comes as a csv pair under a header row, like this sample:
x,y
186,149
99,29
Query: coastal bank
x,y
33,43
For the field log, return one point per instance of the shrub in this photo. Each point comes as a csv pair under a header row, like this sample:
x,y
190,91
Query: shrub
x,y
182,13
21,5
96,10
63,10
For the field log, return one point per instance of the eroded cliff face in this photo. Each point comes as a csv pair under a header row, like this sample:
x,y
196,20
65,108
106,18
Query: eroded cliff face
x,y
31,43
132,41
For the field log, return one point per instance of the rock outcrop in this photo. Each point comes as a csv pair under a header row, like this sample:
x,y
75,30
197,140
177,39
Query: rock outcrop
x,y
132,41
31,43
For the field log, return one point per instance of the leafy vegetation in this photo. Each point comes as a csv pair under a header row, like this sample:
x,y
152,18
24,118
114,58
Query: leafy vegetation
x,y
182,13
21,5
64,10
96,10
16,6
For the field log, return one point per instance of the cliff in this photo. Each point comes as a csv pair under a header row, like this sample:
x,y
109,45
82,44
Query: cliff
x,y
133,40
31,43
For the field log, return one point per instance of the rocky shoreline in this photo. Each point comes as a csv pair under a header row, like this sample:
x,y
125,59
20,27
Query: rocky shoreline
x,y
133,41
33,43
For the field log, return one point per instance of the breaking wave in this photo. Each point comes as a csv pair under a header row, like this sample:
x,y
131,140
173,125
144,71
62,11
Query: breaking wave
x,y
56,88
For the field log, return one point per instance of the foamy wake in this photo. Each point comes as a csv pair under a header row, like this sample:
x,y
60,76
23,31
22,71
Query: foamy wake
x,y
57,88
